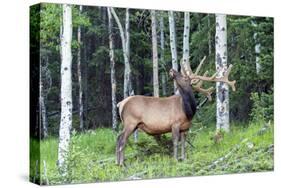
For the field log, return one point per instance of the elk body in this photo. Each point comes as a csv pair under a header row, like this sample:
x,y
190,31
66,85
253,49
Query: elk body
x,y
157,116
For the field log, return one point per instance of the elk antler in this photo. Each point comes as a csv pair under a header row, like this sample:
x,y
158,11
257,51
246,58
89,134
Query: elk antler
x,y
207,92
215,79
187,70
197,80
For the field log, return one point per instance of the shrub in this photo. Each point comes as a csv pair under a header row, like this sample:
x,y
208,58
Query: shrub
x,y
262,109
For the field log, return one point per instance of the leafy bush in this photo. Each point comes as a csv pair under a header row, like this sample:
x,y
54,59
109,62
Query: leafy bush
x,y
262,109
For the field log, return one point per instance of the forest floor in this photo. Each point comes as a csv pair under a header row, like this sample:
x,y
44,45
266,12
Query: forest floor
x,y
92,158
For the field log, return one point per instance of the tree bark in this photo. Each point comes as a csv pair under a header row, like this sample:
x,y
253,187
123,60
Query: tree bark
x,y
79,73
257,49
42,106
154,55
112,72
257,52
162,47
222,89
186,39
128,89
66,90
125,38
173,45
85,81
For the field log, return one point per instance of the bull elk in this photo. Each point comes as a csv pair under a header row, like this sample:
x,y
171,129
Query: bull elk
x,y
174,114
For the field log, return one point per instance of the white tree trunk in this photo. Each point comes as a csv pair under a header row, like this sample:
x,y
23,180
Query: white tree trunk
x,y
127,75
42,106
81,109
186,39
125,38
162,47
173,45
66,89
154,55
222,90
257,51
112,72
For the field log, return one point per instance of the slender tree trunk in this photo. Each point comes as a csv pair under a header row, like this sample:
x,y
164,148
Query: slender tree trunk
x,y
112,72
186,39
173,45
257,52
42,106
66,90
125,38
164,85
81,116
257,49
154,54
85,82
162,47
44,116
221,67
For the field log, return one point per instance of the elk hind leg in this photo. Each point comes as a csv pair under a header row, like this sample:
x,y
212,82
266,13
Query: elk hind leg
x,y
119,138
123,140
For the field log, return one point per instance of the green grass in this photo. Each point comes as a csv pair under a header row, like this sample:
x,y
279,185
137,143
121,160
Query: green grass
x,y
92,157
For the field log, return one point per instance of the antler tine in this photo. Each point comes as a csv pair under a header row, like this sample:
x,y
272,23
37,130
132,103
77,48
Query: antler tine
x,y
226,80
186,68
200,65
225,77
200,82
207,92
194,81
214,79
183,71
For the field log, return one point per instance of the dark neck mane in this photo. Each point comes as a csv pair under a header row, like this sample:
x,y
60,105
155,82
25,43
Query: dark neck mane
x,y
189,103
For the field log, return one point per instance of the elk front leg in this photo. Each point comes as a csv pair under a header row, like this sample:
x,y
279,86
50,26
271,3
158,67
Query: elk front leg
x,y
175,133
183,153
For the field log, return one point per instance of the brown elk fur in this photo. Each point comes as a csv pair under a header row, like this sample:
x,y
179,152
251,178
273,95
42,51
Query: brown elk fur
x,y
157,116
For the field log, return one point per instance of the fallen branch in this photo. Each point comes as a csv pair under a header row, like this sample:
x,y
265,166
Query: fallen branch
x,y
106,160
236,147
113,158
137,176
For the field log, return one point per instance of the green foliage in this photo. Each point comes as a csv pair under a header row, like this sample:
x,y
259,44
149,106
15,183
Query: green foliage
x,y
51,21
95,58
262,109
247,148
92,155
241,53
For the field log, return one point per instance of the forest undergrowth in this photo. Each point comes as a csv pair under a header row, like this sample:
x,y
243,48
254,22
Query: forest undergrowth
x,y
248,148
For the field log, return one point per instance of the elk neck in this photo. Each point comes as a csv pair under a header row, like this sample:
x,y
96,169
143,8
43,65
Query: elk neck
x,y
189,103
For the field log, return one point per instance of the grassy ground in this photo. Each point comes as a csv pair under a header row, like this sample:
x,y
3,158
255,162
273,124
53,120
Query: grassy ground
x,y
92,158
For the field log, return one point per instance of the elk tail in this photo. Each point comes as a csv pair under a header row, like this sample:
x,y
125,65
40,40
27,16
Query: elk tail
x,y
121,105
